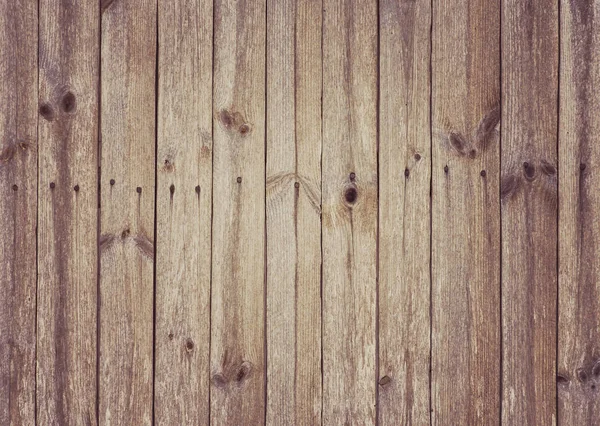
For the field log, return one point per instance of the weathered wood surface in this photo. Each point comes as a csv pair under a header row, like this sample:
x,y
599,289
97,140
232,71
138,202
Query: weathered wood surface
x,y
293,203
18,210
529,199
127,212
404,212
67,287
465,301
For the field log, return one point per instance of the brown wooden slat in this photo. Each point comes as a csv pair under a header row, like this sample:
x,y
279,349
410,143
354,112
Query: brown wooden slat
x,y
404,212
579,233
529,211
293,212
184,197
350,199
238,367
466,212
18,209
67,211
128,64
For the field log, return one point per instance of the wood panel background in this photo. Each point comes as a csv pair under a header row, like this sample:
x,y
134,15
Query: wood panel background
x,y
299,212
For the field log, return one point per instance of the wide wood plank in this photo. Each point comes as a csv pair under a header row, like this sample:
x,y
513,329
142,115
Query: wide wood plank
x,y
529,211
128,64
350,200
238,262
293,212
184,197
579,206
465,375
18,209
67,212
404,212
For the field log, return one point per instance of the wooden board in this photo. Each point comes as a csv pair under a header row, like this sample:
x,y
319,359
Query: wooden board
x,y
293,212
579,206
465,377
350,199
67,212
18,209
184,197
404,212
237,365
529,211
126,311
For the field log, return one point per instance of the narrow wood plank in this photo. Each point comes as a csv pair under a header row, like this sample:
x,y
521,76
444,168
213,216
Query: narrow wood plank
x,y
529,211
404,212
67,211
579,229
238,262
293,212
350,200
184,198
128,64
18,209
466,212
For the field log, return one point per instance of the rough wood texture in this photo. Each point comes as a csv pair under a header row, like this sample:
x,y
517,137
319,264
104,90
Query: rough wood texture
x,y
67,212
404,212
350,185
294,212
465,213
127,212
184,201
238,369
579,206
18,210
529,211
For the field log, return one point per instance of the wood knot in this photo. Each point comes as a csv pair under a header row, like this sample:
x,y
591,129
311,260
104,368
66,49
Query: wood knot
x,y
529,170
219,380
52,185
385,380
417,156
243,372
15,188
46,111
446,169
171,336
76,188
486,127
352,177
239,179
582,167
406,172
189,345
547,168
582,375
351,194
562,380
483,173
509,186
296,185
125,233
112,182
234,121
168,166
138,189
457,142
8,153
172,189
68,103
197,189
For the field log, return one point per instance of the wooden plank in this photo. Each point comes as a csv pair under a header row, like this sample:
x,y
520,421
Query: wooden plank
x,y
67,212
466,341
128,64
293,212
350,200
579,230
529,211
404,212
18,209
184,197
238,263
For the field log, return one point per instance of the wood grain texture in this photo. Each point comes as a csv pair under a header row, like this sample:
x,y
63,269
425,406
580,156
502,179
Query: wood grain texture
x,y
238,369
184,200
404,212
350,199
529,211
465,213
579,206
69,34
126,308
18,210
293,212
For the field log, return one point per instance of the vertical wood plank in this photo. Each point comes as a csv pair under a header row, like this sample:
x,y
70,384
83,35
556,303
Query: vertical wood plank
x,y
350,200
529,211
293,212
128,64
404,212
466,212
184,199
67,211
238,267
579,230
18,209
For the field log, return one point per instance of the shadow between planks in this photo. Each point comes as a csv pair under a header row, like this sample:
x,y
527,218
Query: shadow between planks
x,y
299,212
